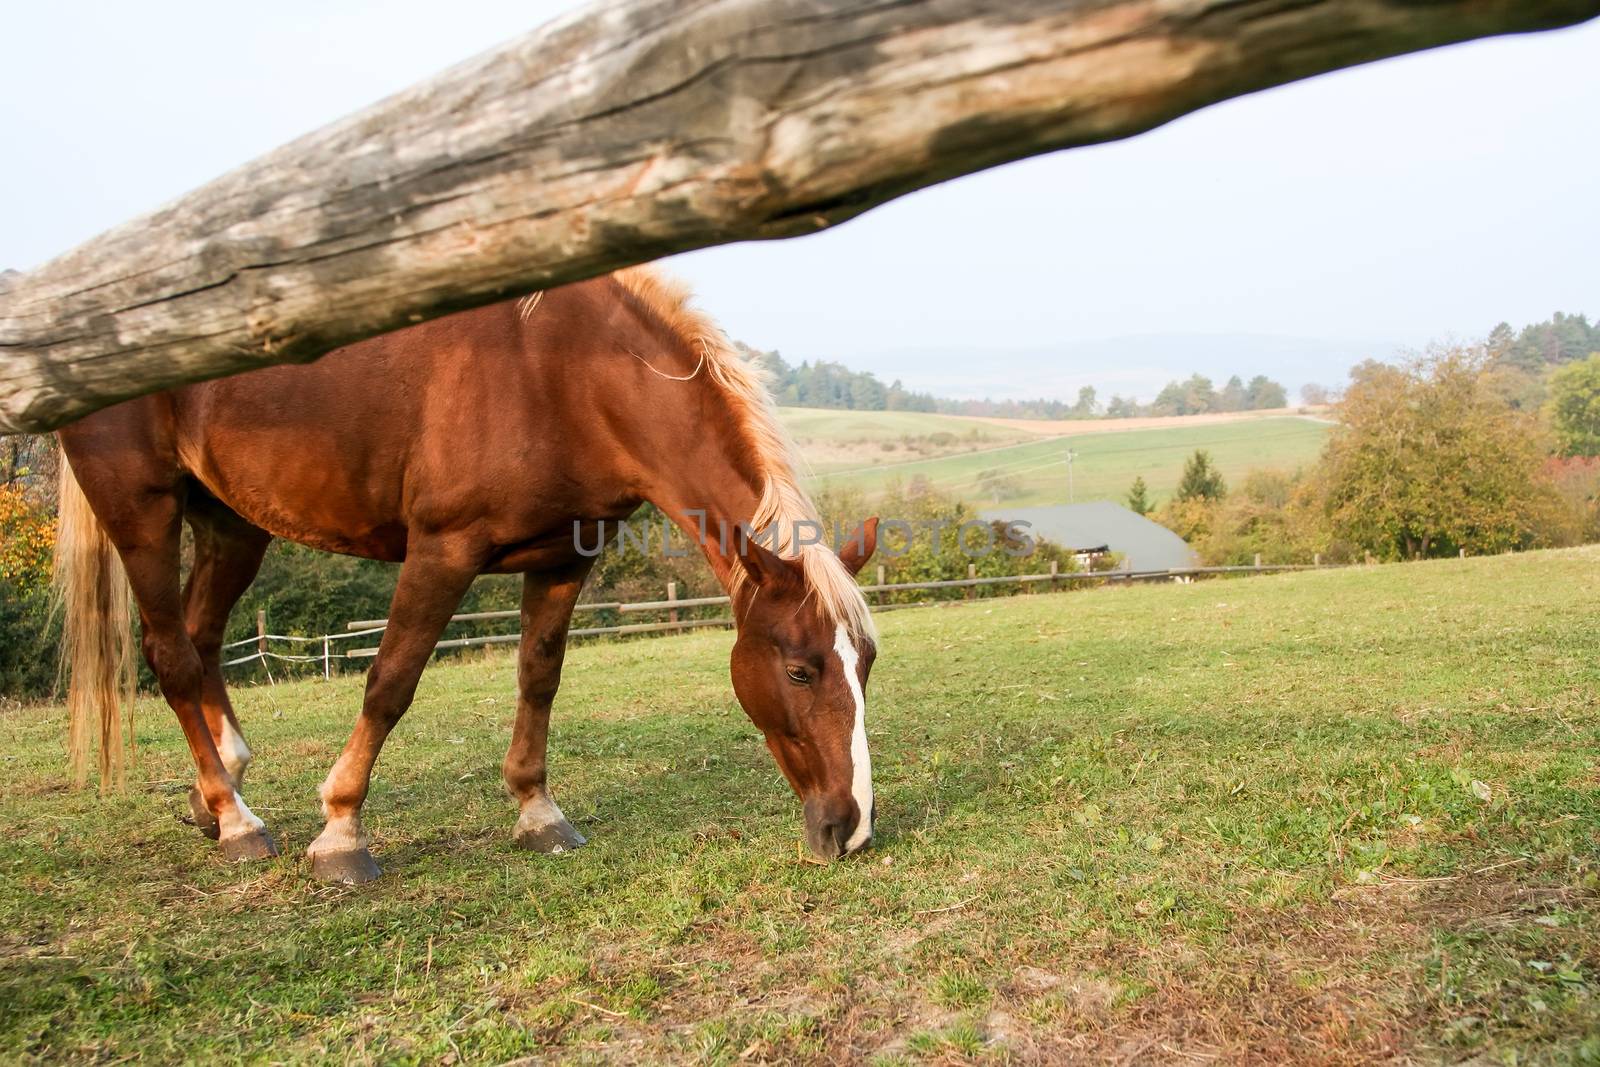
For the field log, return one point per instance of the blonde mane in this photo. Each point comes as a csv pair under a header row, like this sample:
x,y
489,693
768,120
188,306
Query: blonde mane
x,y
783,503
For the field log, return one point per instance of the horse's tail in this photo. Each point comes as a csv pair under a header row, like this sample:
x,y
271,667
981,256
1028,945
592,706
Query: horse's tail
x,y
95,602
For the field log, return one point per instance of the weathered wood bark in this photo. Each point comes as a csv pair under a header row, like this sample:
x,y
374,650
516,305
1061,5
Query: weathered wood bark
x,y
637,129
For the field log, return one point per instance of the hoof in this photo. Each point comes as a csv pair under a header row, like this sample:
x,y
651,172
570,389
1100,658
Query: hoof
x,y
202,817
553,838
256,845
351,866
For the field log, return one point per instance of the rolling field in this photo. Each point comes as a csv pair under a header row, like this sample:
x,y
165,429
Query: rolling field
x,y
1035,472
830,424
841,440
1327,817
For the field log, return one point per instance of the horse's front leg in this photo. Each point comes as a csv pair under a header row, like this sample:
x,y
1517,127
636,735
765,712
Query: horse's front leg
x,y
432,581
546,610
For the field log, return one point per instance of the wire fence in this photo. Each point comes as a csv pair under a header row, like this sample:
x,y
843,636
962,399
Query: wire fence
x,y
328,649
262,653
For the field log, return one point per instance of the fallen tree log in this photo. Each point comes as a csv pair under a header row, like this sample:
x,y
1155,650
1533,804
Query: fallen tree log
x,y
636,129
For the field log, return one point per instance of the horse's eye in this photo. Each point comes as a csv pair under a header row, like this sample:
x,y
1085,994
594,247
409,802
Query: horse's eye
x,y
798,675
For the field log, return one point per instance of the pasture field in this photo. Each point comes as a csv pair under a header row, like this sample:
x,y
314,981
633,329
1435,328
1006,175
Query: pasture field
x,y
831,439
833,424
1326,817
1035,472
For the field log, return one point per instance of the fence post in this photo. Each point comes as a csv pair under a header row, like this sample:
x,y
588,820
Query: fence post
x,y
261,630
1258,561
327,659
1463,553
972,572
1316,559
672,594
1055,572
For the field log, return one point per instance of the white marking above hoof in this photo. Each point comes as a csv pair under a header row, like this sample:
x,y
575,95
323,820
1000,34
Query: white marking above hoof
x,y
342,834
238,820
235,753
539,812
543,828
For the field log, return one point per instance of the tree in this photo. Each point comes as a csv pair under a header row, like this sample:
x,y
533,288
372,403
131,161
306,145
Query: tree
x,y
1201,480
27,630
1232,397
1313,395
1368,369
1139,497
1170,401
1501,338
1122,407
1199,396
1427,460
1561,339
1087,403
867,393
1263,393
29,461
1575,407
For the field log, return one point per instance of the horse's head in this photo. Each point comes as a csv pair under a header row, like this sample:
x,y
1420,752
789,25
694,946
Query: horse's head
x,y
801,675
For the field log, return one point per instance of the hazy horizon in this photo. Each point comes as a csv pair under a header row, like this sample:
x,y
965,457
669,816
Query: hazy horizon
x,y
1357,213
1135,365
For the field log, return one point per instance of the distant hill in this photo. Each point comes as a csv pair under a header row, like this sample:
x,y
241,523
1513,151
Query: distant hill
x,y
956,380
1136,365
1028,394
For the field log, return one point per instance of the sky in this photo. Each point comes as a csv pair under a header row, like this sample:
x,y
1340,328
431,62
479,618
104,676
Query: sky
x,y
1293,231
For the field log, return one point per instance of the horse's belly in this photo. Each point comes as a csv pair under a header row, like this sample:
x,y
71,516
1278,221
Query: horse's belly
x,y
312,499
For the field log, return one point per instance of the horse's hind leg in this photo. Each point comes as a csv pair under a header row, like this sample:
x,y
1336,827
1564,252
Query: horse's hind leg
x,y
227,554
546,609
432,581
140,504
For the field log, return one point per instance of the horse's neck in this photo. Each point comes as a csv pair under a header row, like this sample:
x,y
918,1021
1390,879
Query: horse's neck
x,y
699,474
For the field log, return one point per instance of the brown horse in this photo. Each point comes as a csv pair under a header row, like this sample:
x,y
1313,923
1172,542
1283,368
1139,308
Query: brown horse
x,y
492,441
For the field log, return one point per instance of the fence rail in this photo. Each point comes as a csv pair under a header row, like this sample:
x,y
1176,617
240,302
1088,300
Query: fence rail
x,y
673,604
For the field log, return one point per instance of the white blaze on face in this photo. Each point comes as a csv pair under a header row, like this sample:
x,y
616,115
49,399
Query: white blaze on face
x,y
860,758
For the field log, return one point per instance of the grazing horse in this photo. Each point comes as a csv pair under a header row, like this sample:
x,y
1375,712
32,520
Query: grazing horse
x,y
498,440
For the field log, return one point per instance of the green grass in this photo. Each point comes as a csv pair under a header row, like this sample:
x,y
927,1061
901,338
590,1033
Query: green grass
x,y
1328,817
1106,463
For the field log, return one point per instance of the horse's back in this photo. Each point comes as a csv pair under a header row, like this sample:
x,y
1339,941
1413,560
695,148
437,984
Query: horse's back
x,y
467,419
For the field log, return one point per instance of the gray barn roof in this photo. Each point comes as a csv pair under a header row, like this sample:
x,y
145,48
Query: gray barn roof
x,y
1146,545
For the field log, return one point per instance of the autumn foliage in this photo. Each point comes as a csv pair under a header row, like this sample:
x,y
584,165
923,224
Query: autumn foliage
x,y
1428,459
27,632
27,538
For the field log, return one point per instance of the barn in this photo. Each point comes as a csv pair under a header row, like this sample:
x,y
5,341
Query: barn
x,y
1104,526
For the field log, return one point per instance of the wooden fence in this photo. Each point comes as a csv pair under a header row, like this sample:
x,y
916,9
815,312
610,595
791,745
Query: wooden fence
x,y
325,651
635,129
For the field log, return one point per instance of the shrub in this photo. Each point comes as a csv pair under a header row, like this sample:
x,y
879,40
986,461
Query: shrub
x,y
927,557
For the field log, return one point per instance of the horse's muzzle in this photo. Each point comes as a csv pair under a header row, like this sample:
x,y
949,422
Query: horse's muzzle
x,y
830,825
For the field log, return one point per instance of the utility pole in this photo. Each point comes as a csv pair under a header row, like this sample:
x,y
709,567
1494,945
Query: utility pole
x,y
1072,454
